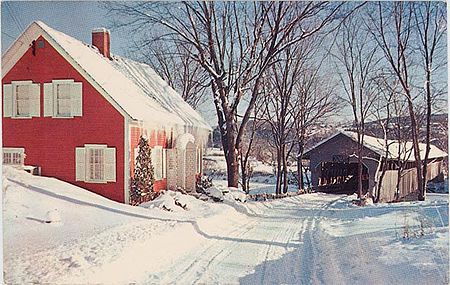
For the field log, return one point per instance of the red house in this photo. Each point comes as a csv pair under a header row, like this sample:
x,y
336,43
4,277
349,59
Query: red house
x,y
77,111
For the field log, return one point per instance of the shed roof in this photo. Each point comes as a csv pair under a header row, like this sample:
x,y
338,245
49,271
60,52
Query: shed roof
x,y
135,88
378,146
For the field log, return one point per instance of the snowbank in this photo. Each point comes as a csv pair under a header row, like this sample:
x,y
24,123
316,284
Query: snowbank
x,y
89,235
174,202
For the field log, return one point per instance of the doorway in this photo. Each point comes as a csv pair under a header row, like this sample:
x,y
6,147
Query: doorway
x,y
341,177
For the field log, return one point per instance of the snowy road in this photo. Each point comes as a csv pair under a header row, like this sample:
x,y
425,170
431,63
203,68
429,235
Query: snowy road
x,y
286,245
284,229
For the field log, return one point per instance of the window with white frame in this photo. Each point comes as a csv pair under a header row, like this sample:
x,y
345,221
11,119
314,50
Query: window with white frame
x,y
63,103
23,103
13,156
21,99
63,99
95,163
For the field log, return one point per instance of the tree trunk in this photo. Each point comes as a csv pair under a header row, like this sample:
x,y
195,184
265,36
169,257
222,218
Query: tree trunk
x,y
285,171
231,154
278,185
244,174
231,158
399,176
308,182
360,166
415,140
228,133
300,173
428,131
301,183
380,180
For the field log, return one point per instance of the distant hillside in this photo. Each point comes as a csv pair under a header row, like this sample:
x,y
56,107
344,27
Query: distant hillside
x,y
439,129
263,151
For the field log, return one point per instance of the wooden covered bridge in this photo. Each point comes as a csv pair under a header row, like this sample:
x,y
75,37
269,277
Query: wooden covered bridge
x,y
334,166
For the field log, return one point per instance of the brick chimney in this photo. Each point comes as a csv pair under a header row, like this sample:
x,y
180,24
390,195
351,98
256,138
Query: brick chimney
x,y
101,40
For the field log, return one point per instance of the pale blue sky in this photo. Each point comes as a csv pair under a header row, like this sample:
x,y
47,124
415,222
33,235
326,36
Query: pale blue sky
x,y
73,18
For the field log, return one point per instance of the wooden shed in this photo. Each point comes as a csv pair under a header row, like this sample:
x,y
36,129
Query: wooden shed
x,y
334,166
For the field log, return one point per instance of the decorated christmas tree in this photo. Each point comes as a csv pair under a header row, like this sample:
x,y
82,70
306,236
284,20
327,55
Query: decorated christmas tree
x,y
143,178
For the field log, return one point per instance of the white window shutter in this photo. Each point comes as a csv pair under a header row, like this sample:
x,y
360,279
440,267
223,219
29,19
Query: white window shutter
x,y
164,163
80,161
7,100
110,164
157,163
76,96
35,100
48,99
55,99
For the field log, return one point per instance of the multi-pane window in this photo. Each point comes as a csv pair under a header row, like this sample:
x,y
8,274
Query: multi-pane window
x,y
63,100
96,164
21,99
22,96
13,156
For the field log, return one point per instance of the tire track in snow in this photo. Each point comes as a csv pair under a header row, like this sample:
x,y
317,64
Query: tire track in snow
x,y
314,267
266,257
233,246
208,265
195,265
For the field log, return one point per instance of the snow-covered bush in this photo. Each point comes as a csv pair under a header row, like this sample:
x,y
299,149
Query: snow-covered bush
x,y
164,201
215,193
181,201
170,201
236,194
204,183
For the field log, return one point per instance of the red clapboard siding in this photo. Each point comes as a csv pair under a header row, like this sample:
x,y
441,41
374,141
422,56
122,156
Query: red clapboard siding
x,y
155,138
50,142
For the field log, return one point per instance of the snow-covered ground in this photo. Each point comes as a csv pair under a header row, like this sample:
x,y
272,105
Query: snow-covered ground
x,y
263,178
307,239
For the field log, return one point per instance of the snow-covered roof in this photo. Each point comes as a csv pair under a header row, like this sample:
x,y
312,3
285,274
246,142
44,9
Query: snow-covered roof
x,y
378,146
133,88
156,88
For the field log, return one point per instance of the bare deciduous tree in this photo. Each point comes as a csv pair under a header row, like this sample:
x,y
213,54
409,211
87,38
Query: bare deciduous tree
x,y
430,22
281,79
234,43
396,27
174,63
248,141
356,59
315,101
